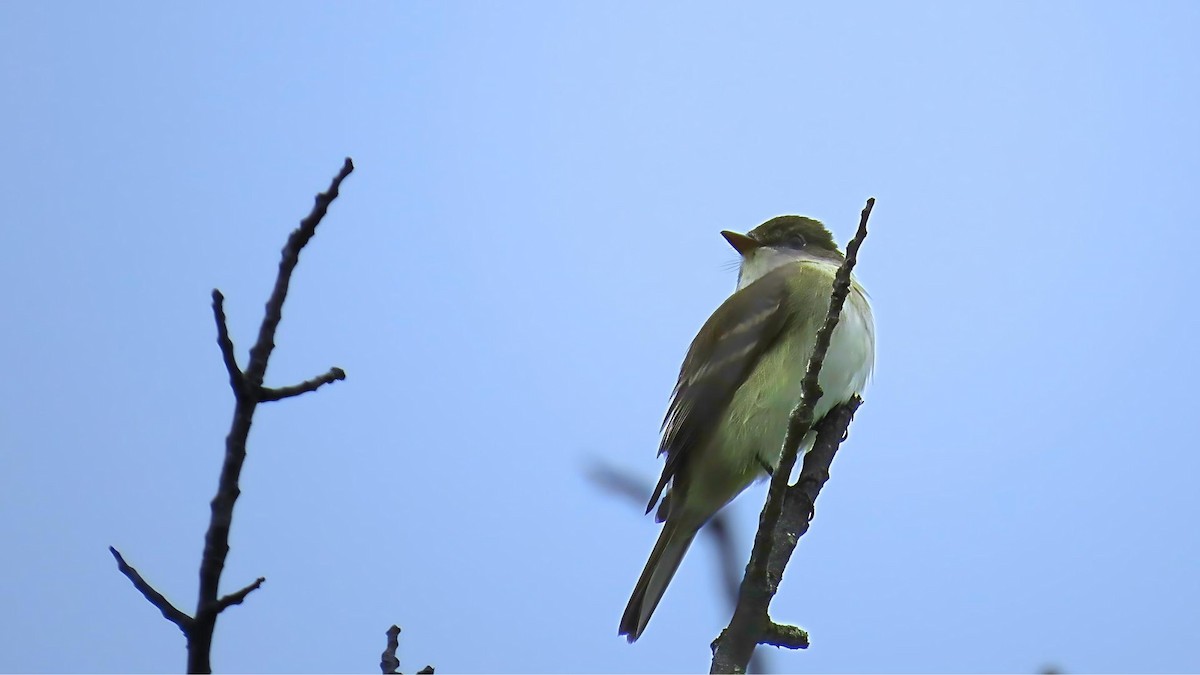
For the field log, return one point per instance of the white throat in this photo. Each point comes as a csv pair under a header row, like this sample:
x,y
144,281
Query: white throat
x,y
763,260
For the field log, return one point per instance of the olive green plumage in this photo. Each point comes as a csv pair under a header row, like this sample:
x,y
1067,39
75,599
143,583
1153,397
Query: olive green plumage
x,y
794,232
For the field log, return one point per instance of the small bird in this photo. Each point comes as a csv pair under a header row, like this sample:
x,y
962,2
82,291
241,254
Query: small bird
x,y
741,378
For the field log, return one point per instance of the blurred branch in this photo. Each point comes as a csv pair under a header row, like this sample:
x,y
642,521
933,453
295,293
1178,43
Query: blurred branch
x,y
720,527
788,510
388,662
248,393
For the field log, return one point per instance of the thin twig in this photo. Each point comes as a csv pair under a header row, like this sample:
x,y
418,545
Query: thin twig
x,y
236,598
750,623
266,394
236,380
169,611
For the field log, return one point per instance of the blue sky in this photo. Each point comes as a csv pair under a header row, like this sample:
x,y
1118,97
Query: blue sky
x,y
510,280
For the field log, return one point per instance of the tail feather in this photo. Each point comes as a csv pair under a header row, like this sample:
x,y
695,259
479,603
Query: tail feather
x,y
664,560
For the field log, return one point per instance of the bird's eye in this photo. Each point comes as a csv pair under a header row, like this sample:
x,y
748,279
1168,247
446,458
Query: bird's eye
x,y
798,241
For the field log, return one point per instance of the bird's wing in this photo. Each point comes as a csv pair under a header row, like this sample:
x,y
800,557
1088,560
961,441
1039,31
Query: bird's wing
x,y
722,355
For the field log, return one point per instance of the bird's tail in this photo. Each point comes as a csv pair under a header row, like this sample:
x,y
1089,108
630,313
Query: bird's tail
x,y
672,543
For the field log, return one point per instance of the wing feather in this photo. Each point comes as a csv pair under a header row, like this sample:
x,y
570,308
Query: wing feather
x,y
720,358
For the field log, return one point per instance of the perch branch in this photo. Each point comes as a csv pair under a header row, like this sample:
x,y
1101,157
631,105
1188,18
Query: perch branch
x,y
750,624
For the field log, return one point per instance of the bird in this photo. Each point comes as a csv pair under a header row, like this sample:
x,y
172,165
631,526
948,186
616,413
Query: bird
x,y
740,380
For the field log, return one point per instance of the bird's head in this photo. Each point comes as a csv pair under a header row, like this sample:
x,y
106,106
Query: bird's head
x,y
781,240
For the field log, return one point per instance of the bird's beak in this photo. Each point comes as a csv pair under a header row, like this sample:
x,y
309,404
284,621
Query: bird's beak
x,y
740,242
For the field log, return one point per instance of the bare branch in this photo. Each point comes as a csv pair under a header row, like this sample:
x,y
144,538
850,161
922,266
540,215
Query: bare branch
x,y
228,601
266,394
236,380
216,539
750,623
169,611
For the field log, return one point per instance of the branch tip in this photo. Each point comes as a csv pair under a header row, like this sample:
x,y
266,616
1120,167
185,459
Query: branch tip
x,y
334,374
236,379
169,611
783,635
236,598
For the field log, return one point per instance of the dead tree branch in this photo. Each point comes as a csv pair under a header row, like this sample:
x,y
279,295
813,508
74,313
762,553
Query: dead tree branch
x,y
248,392
720,527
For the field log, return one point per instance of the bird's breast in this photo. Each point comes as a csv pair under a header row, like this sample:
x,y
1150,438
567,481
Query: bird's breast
x,y
756,420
